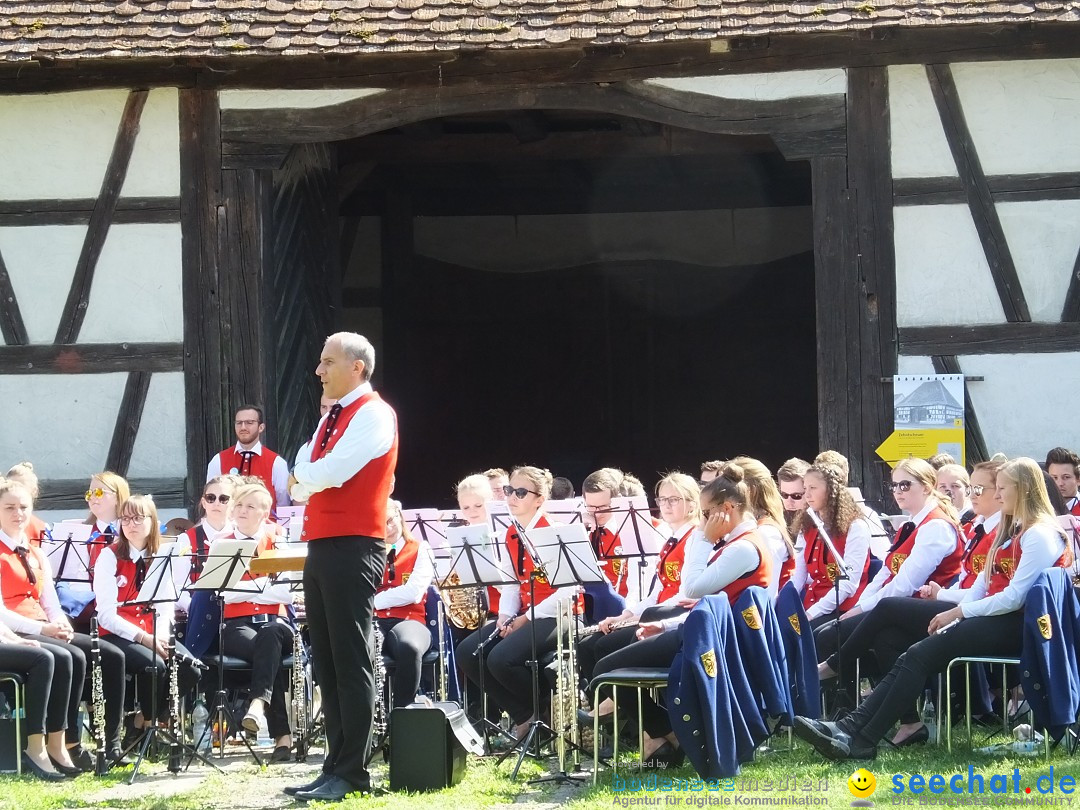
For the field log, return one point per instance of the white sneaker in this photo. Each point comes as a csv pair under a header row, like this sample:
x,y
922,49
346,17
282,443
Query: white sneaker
x,y
253,717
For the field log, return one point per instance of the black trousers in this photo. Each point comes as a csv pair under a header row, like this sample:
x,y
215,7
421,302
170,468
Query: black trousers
x,y
341,576
48,685
112,680
508,677
264,645
655,651
141,663
989,636
404,642
825,635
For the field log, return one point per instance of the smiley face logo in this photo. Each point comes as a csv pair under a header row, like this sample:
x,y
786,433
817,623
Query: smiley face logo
x,y
862,784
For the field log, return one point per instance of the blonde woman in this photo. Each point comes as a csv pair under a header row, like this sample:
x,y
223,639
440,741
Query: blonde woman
x,y
987,622
473,496
767,507
213,523
23,472
954,483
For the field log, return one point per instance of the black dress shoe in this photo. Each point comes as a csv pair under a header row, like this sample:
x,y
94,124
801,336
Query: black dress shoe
x,y
666,756
82,758
585,720
318,781
333,789
36,770
66,770
282,753
914,738
836,746
117,759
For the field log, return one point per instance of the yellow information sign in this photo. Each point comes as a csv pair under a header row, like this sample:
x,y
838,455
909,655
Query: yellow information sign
x,y
922,443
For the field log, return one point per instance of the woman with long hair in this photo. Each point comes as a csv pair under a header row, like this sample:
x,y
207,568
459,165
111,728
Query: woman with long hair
x,y
988,621
768,509
23,472
954,482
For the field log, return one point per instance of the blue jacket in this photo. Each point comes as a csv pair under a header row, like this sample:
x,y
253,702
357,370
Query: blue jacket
x,y
763,652
801,651
1049,666
602,601
712,707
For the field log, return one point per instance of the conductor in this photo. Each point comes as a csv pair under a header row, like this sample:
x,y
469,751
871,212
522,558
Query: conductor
x,y
346,482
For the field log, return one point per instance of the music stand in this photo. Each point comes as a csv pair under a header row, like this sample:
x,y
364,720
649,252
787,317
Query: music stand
x,y
471,564
68,553
565,557
843,572
232,560
635,530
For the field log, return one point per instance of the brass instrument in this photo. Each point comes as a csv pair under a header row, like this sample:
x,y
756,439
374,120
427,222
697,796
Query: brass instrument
x,y
564,700
442,687
97,699
464,606
299,697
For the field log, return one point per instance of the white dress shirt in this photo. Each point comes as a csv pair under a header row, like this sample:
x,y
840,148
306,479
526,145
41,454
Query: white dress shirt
x,y
107,594
413,591
280,473
510,595
182,562
856,547
1040,547
370,436
703,578
798,576
49,601
933,542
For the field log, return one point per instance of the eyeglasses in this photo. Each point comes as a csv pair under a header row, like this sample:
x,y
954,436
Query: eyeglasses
x,y
669,500
978,489
903,486
133,520
246,422
791,496
211,498
520,492
97,493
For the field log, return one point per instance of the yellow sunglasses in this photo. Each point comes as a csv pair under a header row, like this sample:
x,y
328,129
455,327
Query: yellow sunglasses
x,y
95,493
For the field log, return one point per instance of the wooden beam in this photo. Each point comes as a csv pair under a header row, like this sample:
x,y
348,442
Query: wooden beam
x,y
973,179
101,218
395,108
1071,311
12,325
91,358
1003,188
999,338
69,493
140,210
973,436
128,419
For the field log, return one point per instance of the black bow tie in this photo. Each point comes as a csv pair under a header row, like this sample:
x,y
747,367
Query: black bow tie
x,y
140,572
905,532
24,557
390,559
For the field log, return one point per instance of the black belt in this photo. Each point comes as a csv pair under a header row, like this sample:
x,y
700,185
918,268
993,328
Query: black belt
x,y
258,618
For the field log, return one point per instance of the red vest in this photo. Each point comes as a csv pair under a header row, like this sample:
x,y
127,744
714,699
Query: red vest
x,y
358,506
404,562
759,576
821,575
524,570
1007,560
36,530
1075,510
787,567
97,542
669,568
949,566
239,610
975,559
607,544
126,590
262,467
19,595
198,555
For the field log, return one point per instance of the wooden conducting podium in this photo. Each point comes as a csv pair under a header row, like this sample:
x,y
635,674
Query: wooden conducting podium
x,y
280,560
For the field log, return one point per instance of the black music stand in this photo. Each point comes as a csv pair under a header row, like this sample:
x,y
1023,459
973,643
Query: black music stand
x,y
69,558
843,572
635,531
233,558
159,587
474,565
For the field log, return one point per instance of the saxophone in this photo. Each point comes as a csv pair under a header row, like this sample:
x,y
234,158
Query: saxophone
x,y
564,700
379,718
464,605
97,699
175,730
299,697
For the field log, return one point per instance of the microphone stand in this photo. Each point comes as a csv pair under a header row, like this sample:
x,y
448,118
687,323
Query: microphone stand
x,y
843,572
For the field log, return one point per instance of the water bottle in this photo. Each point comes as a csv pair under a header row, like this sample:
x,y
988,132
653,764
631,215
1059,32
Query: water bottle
x,y
200,716
928,716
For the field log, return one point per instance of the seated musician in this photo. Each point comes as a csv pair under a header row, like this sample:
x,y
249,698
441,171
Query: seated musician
x,y
214,523
509,679
23,472
765,503
400,604
257,628
473,496
789,483
987,622
954,483
728,556
928,548
598,489
32,609
107,491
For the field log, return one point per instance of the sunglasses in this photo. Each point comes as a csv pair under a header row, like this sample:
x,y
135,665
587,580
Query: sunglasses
x,y
97,493
791,496
133,520
903,486
215,498
520,492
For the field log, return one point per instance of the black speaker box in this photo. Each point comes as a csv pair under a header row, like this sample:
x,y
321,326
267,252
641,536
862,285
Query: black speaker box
x,y
425,754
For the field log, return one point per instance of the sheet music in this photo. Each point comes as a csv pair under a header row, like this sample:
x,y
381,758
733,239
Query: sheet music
x,y
566,555
565,512
76,566
428,525
499,516
631,520
159,584
291,519
479,565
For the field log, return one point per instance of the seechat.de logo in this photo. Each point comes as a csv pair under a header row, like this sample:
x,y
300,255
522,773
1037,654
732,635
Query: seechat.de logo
x,y
862,785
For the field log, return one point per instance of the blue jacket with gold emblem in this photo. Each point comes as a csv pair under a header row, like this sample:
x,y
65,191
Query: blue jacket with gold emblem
x,y
801,652
1049,665
763,652
712,707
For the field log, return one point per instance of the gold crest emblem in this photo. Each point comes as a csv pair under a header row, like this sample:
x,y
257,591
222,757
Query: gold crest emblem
x,y
978,563
896,561
830,571
616,567
752,617
671,571
1005,565
1045,628
540,577
405,577
708,661
793,619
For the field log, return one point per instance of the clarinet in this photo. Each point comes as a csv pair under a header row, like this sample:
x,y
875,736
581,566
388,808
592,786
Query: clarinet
x,y
175,749
380,719
299,696
97,699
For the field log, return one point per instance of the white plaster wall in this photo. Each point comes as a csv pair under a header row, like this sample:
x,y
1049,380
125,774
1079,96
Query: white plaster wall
x,y
1024,115
290,99
763,86
721,238
154,170
136,293
919,147
57,145
909,364
941,272
160,449
41,263
41,416
1043,238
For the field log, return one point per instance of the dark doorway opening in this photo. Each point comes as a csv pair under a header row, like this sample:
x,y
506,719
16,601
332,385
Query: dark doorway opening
x,y
579,290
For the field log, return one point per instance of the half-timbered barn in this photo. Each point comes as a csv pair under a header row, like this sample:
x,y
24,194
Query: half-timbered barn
x,y
642,232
